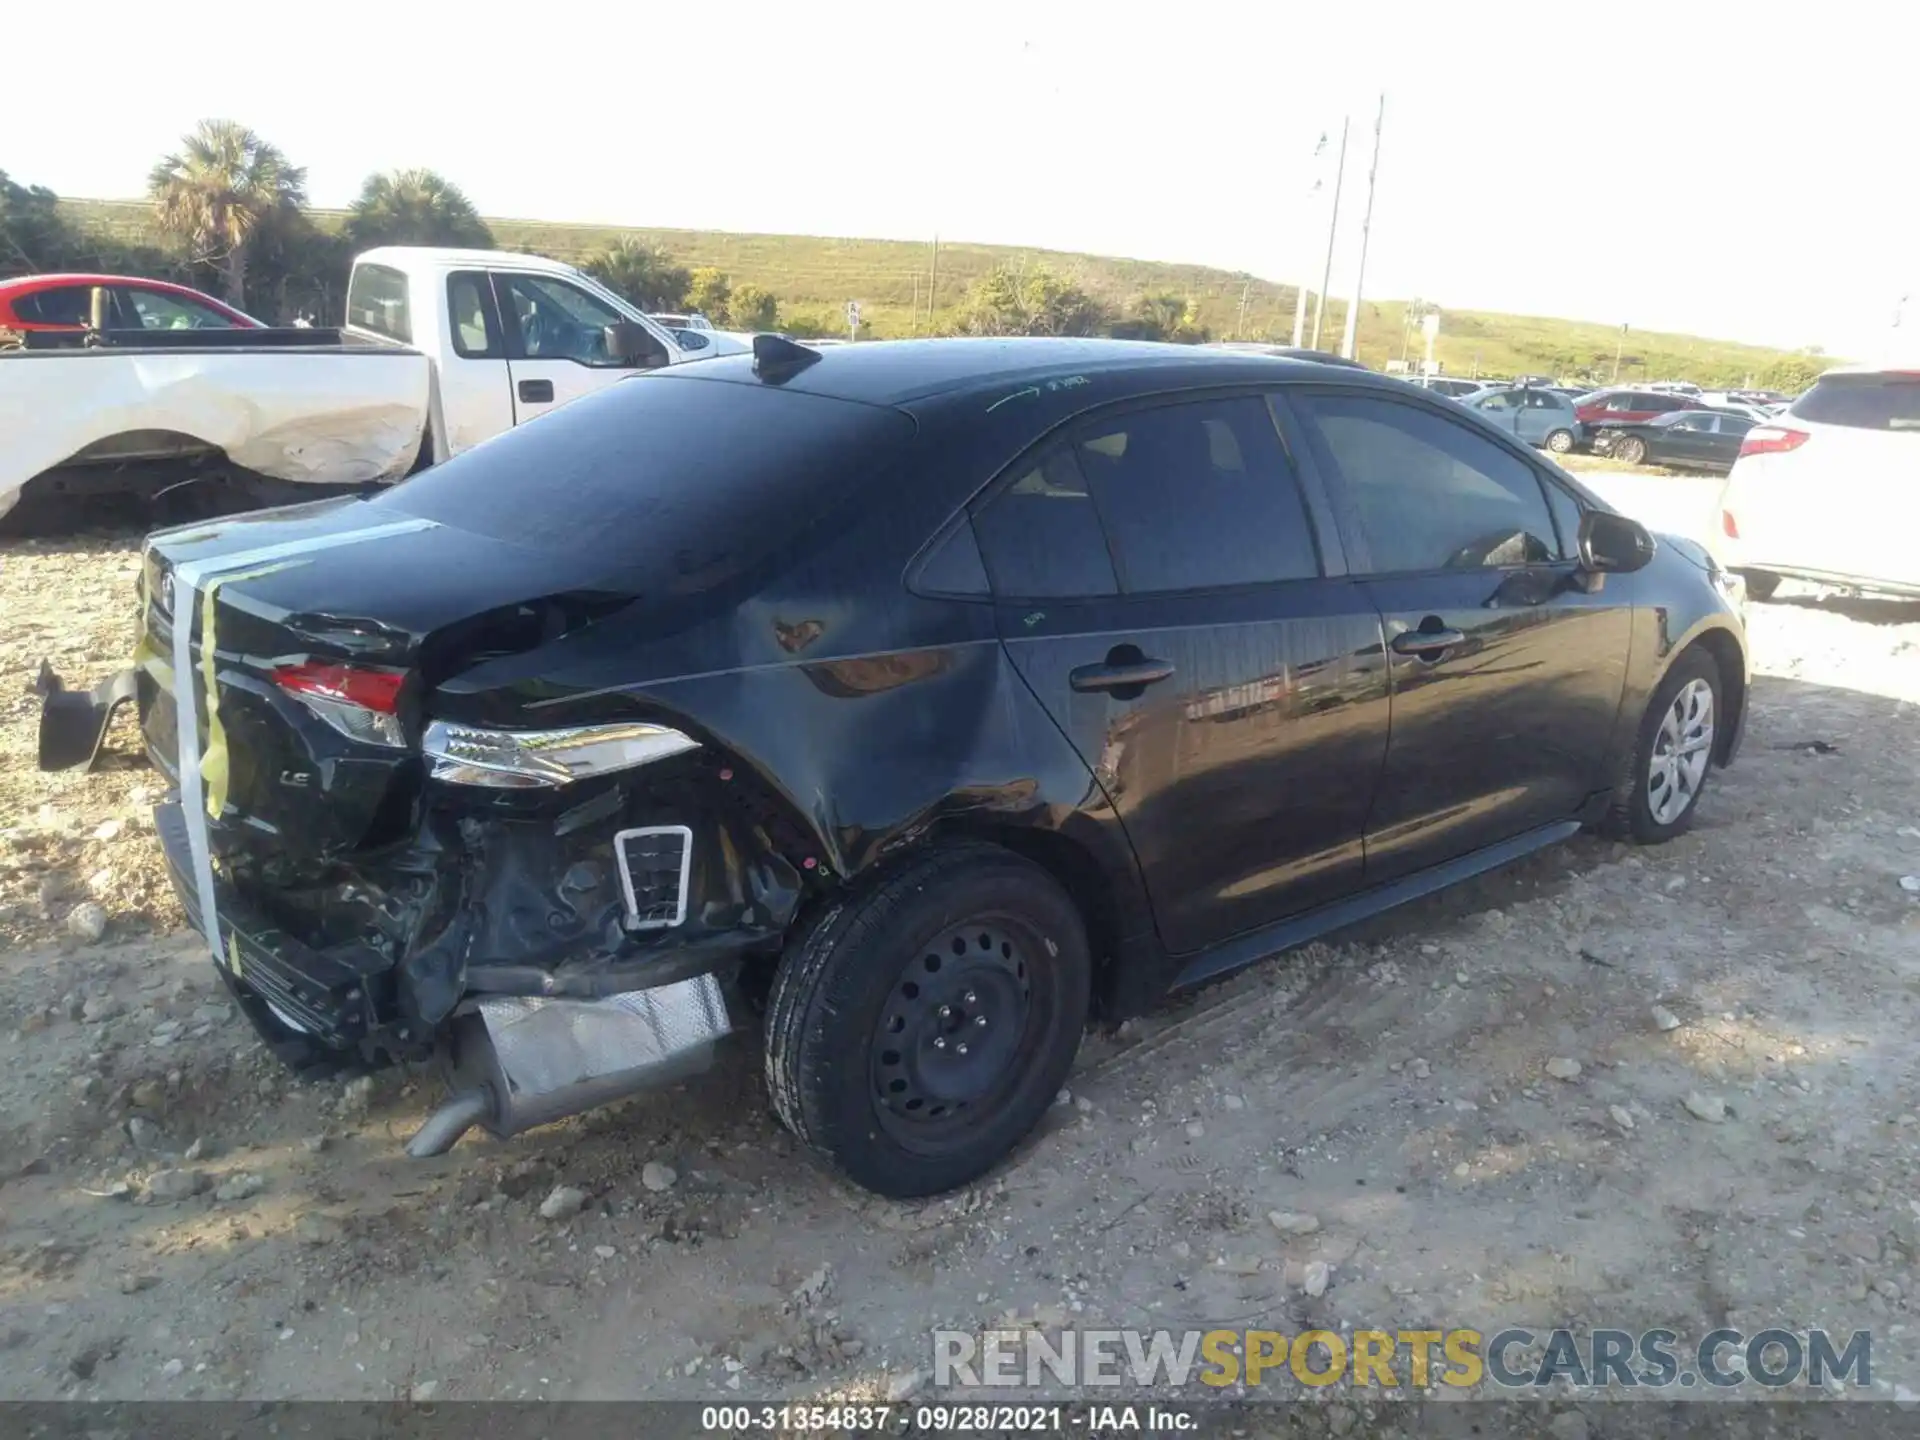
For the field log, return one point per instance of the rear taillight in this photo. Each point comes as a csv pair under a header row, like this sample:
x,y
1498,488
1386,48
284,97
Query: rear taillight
x,y
1772,440
361,702
1727,524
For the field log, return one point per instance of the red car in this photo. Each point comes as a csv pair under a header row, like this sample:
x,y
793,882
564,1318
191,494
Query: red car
x,y
1629,407
65,303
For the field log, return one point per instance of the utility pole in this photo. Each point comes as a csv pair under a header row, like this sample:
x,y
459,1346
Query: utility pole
x,y
1300,293
1333,230
1350,339
1618,346
1240,325
933,283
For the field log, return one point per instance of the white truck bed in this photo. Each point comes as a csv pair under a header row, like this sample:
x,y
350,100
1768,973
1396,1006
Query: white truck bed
x,y
343,414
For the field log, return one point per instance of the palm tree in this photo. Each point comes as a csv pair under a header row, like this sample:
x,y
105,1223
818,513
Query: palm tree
x,y
415,207
641,273
218,189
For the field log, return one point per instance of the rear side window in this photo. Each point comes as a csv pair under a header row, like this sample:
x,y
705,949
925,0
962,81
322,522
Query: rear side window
x,y
686,482
377,301
68,305
1197,496
1041,536
1862,402
1430,494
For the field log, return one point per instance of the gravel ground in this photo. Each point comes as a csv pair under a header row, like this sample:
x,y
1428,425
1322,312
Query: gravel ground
x,y
177,1220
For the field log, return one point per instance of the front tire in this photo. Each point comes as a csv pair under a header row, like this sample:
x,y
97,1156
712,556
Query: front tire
x,y
917,1031
1654,799
1560,442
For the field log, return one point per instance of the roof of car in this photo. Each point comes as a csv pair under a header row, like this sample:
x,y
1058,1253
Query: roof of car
x,y
449,257
892,372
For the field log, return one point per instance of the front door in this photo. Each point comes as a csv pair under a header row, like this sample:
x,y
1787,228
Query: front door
x,y
1507,669
1160,587
1502,408
556,342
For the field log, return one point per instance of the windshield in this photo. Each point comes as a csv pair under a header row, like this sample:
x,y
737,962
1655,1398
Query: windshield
x,y
689,480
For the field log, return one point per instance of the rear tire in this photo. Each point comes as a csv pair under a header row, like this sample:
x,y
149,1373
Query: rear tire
x,y
1660,784
1760,583
917,1031
1560,442
1630,448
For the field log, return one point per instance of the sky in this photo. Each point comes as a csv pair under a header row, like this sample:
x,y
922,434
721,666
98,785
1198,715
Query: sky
x,y
1714,169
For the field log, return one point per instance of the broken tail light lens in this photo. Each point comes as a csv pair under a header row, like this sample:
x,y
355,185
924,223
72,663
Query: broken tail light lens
x,y
360,701
532,759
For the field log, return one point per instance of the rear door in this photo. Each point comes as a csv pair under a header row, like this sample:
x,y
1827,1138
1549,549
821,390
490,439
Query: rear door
x,y
476,390
556,341
1507,673
1541,413
1162,588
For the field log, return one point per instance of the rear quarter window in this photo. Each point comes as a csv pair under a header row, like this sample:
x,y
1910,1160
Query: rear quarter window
x,y
1862,402
377,301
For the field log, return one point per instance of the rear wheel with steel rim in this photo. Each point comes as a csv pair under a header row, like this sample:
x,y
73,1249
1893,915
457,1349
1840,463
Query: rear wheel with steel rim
x,y
1656,796
919,1028
1560,442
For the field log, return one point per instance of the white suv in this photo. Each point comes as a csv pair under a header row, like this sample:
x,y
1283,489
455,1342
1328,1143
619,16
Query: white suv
x,y
1830,490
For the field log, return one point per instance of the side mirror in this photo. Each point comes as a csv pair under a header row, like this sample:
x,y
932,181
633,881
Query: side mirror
x,y
1613,544
632,343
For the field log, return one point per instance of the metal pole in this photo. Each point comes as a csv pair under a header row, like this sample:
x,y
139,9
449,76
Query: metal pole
x,y
1333,230
1240,325
933,283
1618,346
1350,339
1299,315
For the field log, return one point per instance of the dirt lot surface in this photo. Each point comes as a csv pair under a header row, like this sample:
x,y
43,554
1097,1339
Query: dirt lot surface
x,y
1739,1144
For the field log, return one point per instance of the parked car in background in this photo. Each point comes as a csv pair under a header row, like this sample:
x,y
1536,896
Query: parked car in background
x,y
1684,439
441,350
1539,417
693,321
1629,406
63,304
1830,491
898,704
1451,386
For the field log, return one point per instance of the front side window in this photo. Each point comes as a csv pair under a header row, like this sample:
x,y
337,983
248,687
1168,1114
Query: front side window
x,y
558,321
157,310
1429,494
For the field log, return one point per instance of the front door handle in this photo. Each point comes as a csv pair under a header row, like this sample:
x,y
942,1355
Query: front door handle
x,y
1427,644
536,392
1133,675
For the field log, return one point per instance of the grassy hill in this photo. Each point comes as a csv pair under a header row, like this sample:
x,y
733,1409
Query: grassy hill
x,y
814,277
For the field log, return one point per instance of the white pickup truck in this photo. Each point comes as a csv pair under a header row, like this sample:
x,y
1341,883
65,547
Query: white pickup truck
x,y
441,349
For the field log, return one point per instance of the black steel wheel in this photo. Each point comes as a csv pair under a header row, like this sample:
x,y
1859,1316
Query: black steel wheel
x,y
920,1028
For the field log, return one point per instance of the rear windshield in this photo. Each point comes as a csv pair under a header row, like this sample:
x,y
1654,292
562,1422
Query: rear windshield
x,y
690,481
1865,402
377,301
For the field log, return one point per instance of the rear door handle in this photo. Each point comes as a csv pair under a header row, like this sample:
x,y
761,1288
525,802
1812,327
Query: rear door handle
x,y
1426,642
1136,674
536,392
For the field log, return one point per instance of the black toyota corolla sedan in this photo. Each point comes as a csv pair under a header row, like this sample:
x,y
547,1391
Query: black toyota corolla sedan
x,y
908,702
